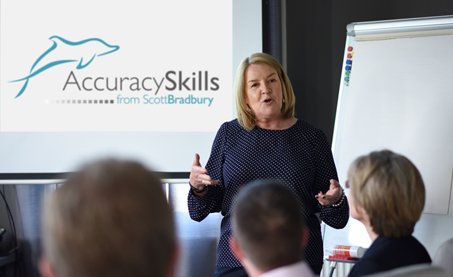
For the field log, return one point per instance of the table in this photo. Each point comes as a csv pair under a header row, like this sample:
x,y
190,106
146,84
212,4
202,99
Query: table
x,y
333,264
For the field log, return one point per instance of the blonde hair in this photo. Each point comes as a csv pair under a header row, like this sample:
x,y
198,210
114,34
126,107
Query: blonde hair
x,y
390,189
245,115
111,218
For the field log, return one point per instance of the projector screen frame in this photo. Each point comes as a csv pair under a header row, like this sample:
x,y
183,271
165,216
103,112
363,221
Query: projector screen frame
x,y
247,27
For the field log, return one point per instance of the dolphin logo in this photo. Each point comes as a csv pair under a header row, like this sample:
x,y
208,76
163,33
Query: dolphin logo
x,y
64,51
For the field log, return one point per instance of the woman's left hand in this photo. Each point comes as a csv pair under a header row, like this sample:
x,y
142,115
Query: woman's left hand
x,y
332,196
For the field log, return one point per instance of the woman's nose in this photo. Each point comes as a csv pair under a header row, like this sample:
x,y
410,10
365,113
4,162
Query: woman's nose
x,y
265,88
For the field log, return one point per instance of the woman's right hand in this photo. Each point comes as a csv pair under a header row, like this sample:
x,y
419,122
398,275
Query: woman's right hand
x,y
199,177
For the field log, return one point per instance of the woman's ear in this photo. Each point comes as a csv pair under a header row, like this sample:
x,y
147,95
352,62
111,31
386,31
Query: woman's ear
x,y
236,249
45,268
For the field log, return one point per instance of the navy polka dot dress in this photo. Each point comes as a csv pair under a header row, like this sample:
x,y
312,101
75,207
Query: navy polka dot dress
x,y
300,156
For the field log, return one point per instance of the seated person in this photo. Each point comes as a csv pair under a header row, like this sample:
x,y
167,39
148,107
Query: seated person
x,y
111,218
269,233
387,195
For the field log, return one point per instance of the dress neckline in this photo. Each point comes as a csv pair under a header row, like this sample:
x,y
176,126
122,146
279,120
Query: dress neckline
x,y
279,130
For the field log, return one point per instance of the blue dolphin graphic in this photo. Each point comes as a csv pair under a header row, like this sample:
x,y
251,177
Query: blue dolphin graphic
x,y
45,61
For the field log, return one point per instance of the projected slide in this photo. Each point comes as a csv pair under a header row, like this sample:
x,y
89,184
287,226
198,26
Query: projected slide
x,y
115,66
147,80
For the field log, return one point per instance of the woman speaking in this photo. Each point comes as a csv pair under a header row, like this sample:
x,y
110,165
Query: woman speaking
x,y
267,141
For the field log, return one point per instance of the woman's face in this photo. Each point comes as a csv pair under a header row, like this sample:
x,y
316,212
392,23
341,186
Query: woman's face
x,y
353,207
356,210
263,91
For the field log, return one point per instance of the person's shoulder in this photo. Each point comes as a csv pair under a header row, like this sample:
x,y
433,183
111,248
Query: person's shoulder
x,y
364,266
310,131
230,127
407,241
420,250
234,123
306,125
407,246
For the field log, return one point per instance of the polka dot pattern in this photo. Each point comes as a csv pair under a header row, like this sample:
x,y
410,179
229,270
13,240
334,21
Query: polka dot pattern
x,y
300,156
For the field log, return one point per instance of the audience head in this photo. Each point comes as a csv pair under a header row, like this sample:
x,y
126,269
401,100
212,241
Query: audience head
x,y
387,191
245,115
110,218
268,226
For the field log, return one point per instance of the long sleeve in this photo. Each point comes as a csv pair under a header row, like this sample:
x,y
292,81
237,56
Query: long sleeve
x,y
336,217
201,206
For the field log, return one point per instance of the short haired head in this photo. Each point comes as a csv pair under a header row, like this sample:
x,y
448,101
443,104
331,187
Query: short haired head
x,y
111,218
245,115
390,189
268,224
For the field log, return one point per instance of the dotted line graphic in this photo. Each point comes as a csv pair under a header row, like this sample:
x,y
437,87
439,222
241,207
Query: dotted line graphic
x,y
85,101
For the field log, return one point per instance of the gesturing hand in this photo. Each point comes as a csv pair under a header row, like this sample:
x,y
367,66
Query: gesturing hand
x,y
332,196
199,177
